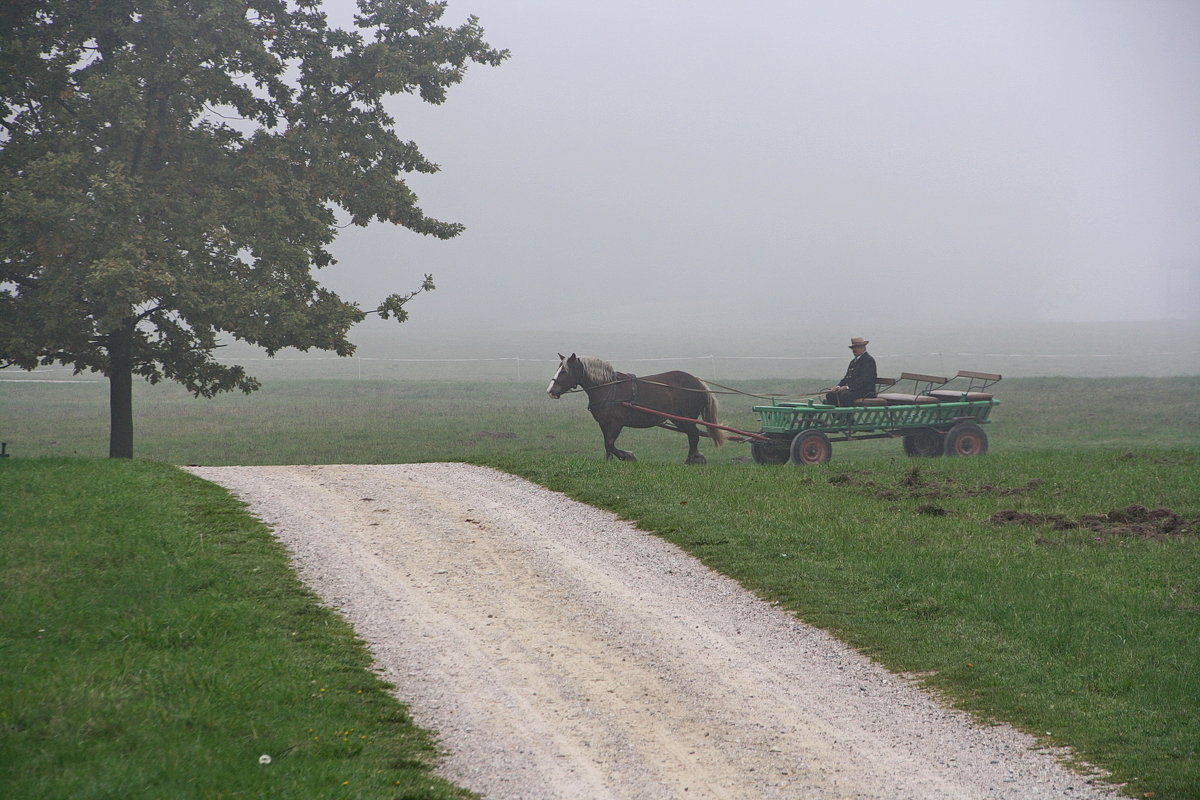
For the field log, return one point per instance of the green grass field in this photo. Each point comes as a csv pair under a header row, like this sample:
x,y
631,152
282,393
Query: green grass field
x,y
994,579
154,643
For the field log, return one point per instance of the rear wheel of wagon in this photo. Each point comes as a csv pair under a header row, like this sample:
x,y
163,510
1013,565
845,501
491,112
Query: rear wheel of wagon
x,y
924,443
966,439
811,447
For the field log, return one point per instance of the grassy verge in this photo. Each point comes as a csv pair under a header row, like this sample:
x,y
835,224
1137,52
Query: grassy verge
x,y
154,643
1086,635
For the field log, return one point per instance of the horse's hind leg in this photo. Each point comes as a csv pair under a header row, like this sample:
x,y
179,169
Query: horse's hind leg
x,y
611,432
694,455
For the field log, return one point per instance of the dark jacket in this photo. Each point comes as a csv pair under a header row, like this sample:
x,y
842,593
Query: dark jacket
x,y
860,376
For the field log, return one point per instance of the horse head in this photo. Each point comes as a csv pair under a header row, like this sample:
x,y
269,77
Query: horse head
x,y
567,377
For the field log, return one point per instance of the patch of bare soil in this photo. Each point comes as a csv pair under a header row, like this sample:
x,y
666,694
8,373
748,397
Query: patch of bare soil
x,y
561,653
918,485
1134,521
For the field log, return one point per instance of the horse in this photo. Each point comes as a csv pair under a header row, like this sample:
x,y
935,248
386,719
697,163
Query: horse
x,y
677,393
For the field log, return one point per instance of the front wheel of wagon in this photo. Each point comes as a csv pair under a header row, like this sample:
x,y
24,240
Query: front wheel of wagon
x,y
811,447
770,452
966,439
925,443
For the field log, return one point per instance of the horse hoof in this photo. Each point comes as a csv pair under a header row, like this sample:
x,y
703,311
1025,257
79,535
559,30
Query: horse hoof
x,y
627,456
696,459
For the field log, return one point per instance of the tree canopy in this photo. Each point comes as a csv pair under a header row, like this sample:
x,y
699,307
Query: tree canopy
x,y
173,171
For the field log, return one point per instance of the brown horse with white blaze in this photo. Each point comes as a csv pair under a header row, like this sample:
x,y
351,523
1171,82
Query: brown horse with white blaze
x,y
611,394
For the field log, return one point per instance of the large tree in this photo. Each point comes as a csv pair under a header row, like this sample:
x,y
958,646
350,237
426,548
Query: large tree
x,y
173,171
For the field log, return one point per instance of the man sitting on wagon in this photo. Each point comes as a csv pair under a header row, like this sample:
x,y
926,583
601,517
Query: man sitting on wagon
x,y
859,380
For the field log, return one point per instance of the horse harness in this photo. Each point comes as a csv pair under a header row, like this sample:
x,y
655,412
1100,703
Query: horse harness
x,y
610,398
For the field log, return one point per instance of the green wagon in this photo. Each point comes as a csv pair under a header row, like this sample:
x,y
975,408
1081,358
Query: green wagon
x,y
941,416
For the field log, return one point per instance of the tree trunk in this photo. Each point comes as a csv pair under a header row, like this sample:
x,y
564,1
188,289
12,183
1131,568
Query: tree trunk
x,y
120,393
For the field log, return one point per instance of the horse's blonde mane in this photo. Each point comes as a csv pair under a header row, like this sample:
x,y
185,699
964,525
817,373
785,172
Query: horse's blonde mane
x,y
597,370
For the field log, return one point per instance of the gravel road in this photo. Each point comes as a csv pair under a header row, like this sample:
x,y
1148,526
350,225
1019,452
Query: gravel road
x,y
562,653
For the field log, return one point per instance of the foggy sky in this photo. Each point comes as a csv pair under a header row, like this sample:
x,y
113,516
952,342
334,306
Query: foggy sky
x,y
783,163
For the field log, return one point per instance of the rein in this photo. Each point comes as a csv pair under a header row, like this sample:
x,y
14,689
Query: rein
x,y
728,389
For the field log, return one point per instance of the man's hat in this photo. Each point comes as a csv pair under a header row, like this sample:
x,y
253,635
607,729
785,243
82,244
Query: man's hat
x,y
857,342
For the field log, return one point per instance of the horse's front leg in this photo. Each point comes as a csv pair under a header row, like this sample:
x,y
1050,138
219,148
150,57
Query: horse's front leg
x,y
611,432
694,455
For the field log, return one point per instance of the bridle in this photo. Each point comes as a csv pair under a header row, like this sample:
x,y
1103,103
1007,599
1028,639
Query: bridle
x,y
559,385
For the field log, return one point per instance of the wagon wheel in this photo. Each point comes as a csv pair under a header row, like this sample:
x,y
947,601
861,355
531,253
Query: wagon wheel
x,y
924,443
770,452
811,447
966,439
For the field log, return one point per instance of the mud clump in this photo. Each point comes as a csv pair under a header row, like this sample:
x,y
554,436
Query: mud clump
x,y
1133,521
915,485
931,510
912,478
1010,517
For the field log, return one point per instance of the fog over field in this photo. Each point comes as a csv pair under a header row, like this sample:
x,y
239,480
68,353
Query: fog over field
x,y
1076,349
812,171
738,189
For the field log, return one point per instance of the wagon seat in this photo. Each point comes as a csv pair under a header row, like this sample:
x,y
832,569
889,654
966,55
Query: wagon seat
x,y
976,389
880,385
923,386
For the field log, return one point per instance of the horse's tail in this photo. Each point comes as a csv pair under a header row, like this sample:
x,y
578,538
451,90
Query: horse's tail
x,y
710,415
